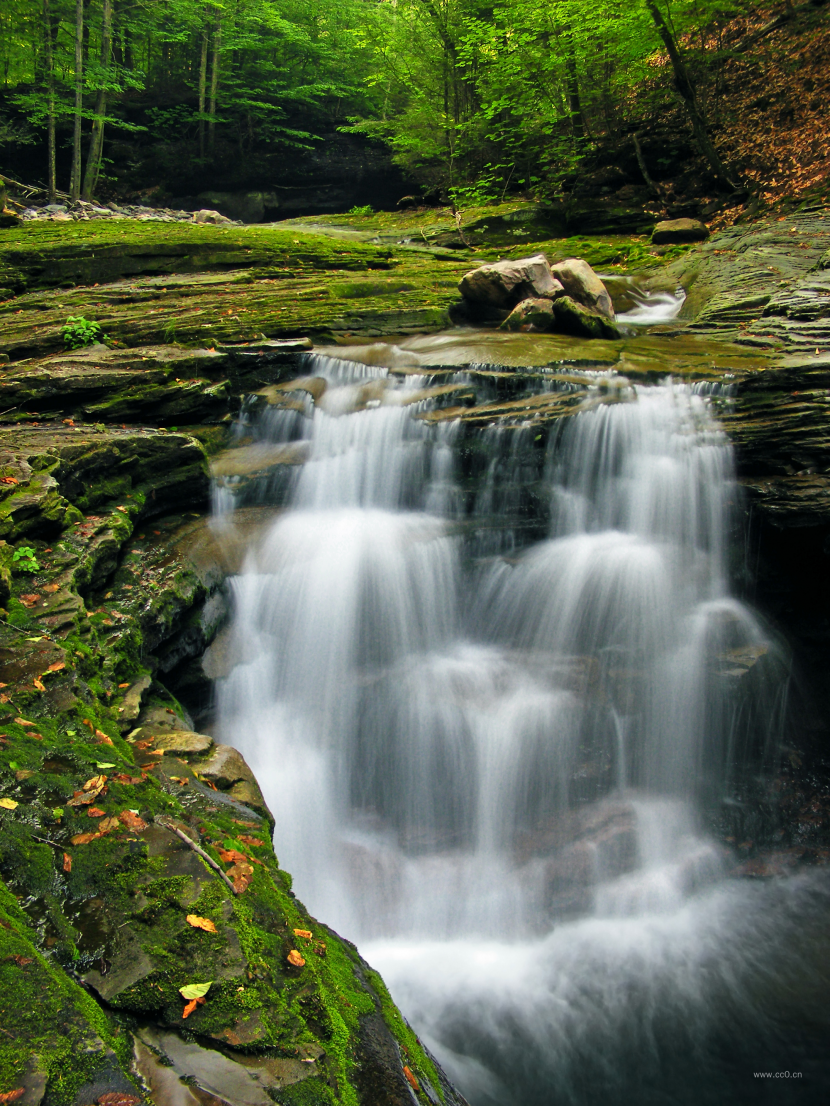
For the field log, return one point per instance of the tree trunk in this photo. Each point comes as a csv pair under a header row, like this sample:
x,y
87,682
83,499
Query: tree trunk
x,y
50,93
96,142
686,90
214,83
202,87
574,101
75,179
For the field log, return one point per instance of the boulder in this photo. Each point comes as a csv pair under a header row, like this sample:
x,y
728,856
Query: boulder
x,y
676,231
505,283
583,285
530,314
582,321
206,215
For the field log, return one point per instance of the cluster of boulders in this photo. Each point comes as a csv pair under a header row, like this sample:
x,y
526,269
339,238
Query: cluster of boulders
x,y
532,295
81,211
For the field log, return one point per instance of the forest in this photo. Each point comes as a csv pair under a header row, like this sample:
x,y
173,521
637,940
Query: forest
x,y
471,101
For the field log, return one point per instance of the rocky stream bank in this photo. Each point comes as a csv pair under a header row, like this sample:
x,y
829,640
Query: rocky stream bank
x,y
135,853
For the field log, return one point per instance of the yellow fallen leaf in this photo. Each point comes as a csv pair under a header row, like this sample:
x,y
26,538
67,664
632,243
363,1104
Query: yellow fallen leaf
x,y
8,804
195,990
303,933
39,684
24,722
201,923
95,783
295,959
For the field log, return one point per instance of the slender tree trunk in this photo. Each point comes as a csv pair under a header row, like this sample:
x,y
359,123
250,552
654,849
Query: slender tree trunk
x,y
96,142
686,89
202,88
574,101
641,161
50,93
214,83
75,179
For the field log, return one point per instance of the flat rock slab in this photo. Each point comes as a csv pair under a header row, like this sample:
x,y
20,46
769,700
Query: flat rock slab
x,y
676,231
183,742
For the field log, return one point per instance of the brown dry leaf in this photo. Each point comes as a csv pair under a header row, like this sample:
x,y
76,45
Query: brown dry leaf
x,y
95,812
145,743
118,1098
410,1078
30,600
4,685
95,783
191,1006
254,841
180,780
12,1096
106,825
39,684
303,933
24,722
232,856
67,862
52,588
22,961
120,777
102,739
4,698
8,480
241,884
57,666
295,959
132,821
84,798
201,923
84,838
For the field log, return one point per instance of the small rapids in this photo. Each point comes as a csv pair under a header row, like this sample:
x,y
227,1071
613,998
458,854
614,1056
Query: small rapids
x,y
493,751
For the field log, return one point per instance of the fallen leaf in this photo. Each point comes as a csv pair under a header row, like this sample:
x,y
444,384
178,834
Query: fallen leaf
x,y
5,698
12,1096
106,825
24,722
231,856
29,600
180,780
95,812
132,822
83,798
410,1078
195,990
295,959
124,685
39,684
191,1006
4,685
94,783
52,588
118,1098
201,923
102,739
8,804
121,778
254,841
67,862
8,480
105,766
145,743
57,666
84,838
303,933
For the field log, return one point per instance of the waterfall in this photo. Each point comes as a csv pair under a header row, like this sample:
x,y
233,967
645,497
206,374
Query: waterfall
x,y
493,763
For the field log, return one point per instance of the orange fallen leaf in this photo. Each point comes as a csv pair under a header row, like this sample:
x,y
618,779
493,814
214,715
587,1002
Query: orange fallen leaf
x,y
24,722
295,959
29,600
84,798
232,856
39,684
95,783
119,777
254,841
132,821
52,588
191,1006
57,666
303,933
145,743
12,1096
201,923
410,1078
67,862
95,812
8,480
102,739
124,685
84,838
4,698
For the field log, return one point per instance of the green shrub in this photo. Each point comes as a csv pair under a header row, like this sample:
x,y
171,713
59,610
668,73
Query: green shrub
x,y
24,559
78,331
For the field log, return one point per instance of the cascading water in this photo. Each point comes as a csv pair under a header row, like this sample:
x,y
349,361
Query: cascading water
x,y
495,772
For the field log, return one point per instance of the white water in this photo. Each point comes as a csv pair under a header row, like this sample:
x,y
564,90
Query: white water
x,y
492,775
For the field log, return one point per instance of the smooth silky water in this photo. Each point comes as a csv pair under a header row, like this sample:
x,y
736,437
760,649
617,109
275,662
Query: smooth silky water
x,y
492,760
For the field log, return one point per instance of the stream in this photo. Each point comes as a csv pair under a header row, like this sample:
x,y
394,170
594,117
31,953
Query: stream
x,y
498,731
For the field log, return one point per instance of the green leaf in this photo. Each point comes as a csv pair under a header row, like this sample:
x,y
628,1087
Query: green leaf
x,y
195,990
105,765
